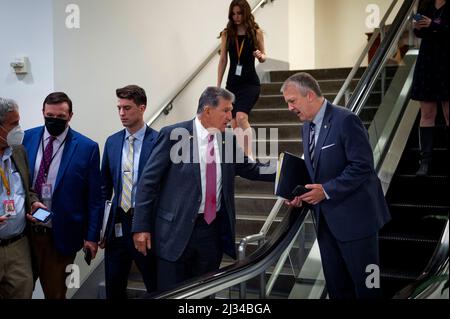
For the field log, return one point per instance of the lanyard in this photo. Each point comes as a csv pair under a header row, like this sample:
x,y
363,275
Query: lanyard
x,y
47,165
239,51
5,182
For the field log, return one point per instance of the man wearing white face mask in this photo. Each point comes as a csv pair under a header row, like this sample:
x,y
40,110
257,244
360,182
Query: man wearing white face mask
x,y
16,277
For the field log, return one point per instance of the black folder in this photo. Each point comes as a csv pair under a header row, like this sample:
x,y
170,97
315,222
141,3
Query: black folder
x,y
291,172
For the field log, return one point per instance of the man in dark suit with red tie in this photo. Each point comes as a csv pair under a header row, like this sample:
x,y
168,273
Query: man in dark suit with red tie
x,y
349,205
185,197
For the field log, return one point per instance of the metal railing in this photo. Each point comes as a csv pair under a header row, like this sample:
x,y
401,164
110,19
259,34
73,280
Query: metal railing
x,y
370,76
261,238
168,106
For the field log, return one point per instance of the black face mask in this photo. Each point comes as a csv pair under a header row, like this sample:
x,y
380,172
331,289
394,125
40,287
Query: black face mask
x,y
55,126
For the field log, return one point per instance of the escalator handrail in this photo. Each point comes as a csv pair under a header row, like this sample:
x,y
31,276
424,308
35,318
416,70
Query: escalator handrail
x,y
167,107
245,269
370,76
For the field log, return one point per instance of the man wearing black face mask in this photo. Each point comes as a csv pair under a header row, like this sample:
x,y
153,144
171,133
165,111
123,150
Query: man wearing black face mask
x,y
16,276
65,170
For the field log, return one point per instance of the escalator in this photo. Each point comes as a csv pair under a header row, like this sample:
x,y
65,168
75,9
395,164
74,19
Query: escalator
x,y
419,207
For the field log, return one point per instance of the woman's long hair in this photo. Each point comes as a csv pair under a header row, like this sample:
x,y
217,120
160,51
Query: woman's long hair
x,y
248,20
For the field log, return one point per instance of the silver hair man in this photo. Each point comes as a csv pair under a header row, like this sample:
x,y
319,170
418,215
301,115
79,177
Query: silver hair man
x,y
6,106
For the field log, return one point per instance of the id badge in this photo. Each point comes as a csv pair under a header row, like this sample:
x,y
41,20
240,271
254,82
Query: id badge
x,y
239,70
46,191
9,207
118,230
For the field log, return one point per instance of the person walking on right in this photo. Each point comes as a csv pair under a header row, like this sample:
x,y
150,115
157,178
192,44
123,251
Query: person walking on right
x,y
346,194
430,84
243,40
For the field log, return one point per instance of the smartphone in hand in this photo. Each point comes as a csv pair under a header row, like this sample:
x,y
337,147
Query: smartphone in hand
x,y
417,17
87,256
42,215
300,190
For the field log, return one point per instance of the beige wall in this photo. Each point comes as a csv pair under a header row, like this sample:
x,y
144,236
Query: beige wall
x,y
26,29
340,27
155,44
158,44
302,45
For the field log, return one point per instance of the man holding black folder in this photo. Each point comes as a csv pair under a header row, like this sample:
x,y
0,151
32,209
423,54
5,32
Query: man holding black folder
x,y
349,205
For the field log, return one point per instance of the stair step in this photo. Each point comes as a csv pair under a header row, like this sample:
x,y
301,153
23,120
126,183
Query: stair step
x,y
318,74
321,74
243,185
254,203
277,101
438,208
407,237
394,273
412,189
268,115
287,130
273,148
410,256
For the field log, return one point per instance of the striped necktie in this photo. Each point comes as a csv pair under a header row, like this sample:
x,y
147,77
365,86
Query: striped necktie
x,y
127,177
312,142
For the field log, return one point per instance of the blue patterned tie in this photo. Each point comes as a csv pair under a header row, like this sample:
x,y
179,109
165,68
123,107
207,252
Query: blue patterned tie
x,y
312,142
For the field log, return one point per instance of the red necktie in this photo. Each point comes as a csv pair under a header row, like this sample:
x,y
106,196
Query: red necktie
x,y
44,167
211,182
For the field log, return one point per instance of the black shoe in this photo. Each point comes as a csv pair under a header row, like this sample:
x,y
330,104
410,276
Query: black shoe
x,y
423,169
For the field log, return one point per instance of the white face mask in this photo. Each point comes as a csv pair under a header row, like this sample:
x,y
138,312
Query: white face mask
x,y
15,136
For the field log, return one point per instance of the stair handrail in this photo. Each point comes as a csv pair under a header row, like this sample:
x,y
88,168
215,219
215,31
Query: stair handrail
x,y
168,106
357,65
261,238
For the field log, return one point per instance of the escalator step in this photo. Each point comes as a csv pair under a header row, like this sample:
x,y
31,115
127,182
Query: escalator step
x,y
440,208
409,238
398,274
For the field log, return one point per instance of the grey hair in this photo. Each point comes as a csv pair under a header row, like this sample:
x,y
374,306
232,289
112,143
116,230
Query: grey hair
x,y
6,106
304,82
211,97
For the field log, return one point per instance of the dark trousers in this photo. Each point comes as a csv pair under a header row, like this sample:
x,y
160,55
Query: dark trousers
x,y
202,255
50,264
119,255
344,264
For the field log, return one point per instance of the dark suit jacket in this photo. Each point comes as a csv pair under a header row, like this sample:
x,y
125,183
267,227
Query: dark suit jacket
x,y
112,168
77,202
20,160
169,194
344,165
